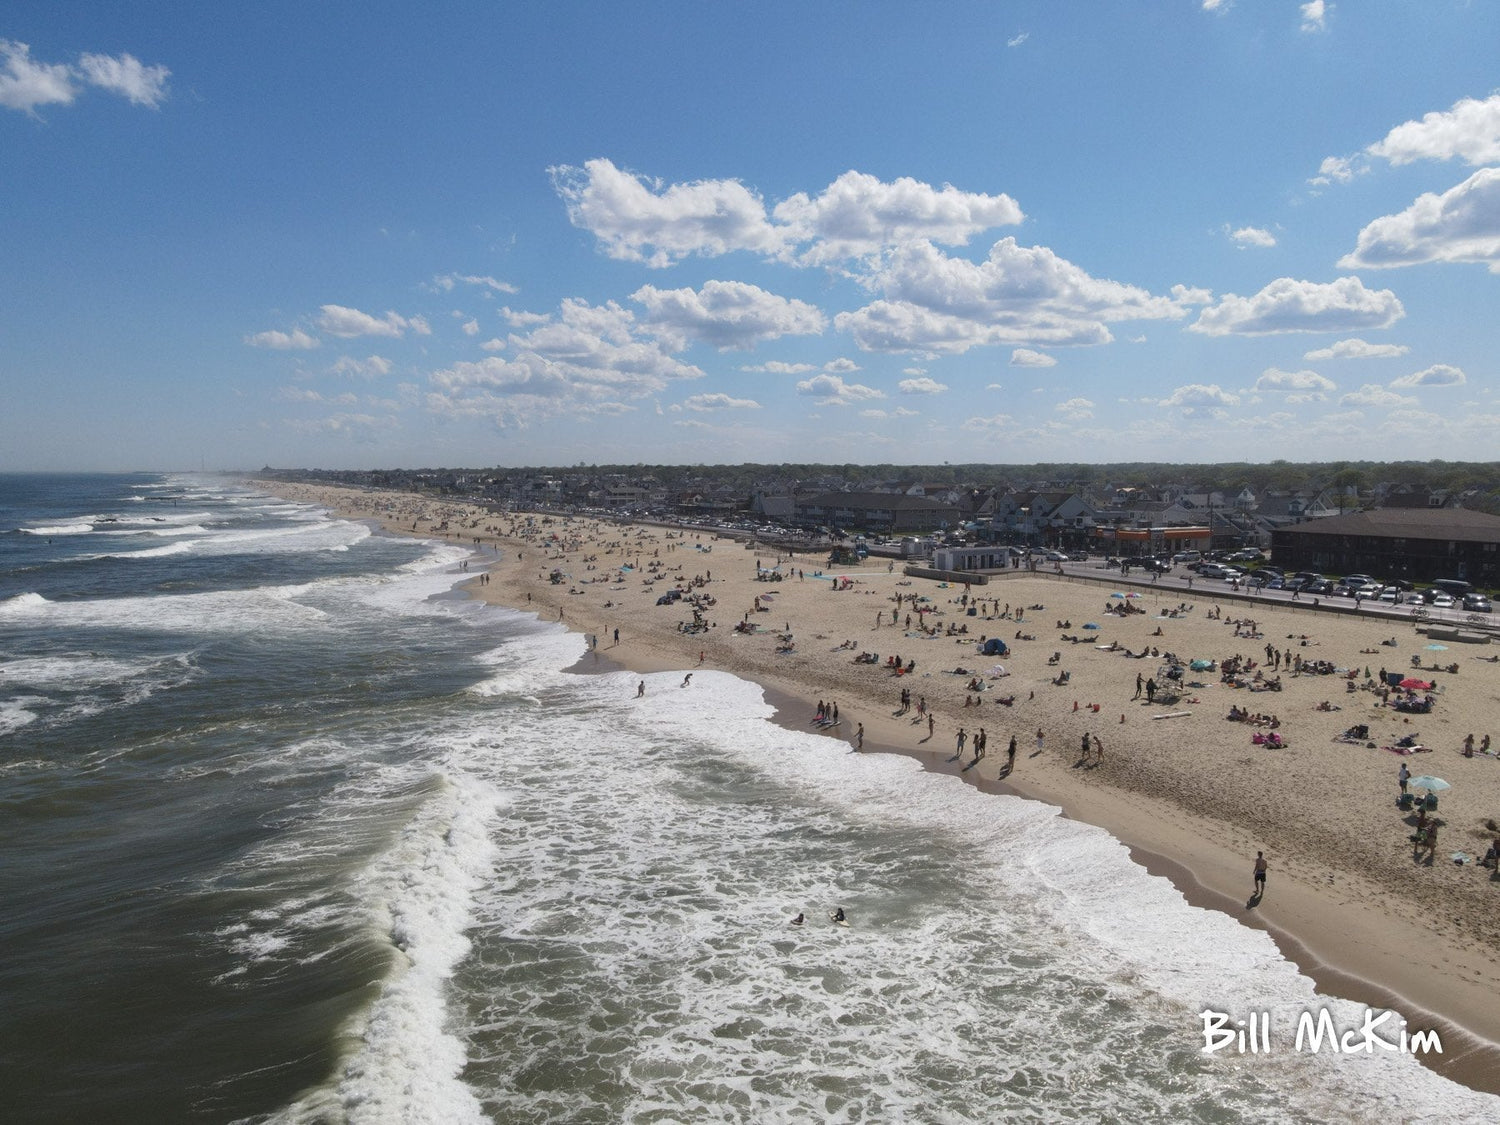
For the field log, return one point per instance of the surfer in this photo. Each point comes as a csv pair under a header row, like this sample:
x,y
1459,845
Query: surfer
x,y
837,915
797,921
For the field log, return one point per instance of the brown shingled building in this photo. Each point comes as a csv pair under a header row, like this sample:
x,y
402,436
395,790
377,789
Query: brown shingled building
x,y
1419,544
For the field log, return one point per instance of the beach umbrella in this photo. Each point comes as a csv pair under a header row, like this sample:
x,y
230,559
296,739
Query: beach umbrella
x,y
1414,685
1433,784
1091,625
1437,648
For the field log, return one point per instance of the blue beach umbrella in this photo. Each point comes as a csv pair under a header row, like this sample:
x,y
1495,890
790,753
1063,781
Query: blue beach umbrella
x,y
1091,625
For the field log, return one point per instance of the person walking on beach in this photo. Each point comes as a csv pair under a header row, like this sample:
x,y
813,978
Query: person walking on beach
x,y
979,740
859,737
1098,749
1260,874
1140,683
1040,740
931,722
1403,775
960,739
1010,755
640,689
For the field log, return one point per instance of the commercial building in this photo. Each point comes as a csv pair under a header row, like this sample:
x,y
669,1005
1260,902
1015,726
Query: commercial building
x,y
1418,544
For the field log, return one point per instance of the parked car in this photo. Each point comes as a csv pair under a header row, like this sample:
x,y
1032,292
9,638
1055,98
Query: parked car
x,y
1390,594
1441,600
1246,554
1477,603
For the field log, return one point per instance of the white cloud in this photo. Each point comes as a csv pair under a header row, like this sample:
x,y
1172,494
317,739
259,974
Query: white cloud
x,y
921,386
937,303
361,428
124,75
994,424
471,328
640,221
296,340
1017,40
1188,295
1288,305
1438,375
719,402
1197,400
518,319
1220,6
1298,386
1338,169
1025,357
729,315
1314,15
1461,225
449,281
1076,409
857,215
586,361
831,390
777,367
841,366
361,368
26,84
1469,131
899,412
337,320
1373,394
1247,237
1357,349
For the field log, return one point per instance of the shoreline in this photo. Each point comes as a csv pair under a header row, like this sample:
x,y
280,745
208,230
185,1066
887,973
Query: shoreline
x,y
1341,929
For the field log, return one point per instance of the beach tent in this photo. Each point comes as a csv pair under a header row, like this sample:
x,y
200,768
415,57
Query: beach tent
x,y
994,647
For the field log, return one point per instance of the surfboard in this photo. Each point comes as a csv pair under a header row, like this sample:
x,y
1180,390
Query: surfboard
x,y
838,921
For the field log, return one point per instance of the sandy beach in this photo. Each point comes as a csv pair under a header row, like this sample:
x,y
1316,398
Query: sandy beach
x,y
1189,790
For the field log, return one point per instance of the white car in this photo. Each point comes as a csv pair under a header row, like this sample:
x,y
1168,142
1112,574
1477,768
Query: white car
x,y
1389,594
1442,601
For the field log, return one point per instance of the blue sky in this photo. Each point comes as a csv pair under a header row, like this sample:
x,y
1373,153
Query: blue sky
x,y
376,235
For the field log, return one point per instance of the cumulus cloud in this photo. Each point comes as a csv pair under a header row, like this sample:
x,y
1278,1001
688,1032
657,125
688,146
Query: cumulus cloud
x,y
841,366
1338,169
921,386
1470,131
1438,375
831,390
729,315
1025,357
519,319
1076,409
859,215
1288,305
1247,237
337,320
1314,15
1461,225
367,368
295,340
1298,386
471,328
705,403
644,220
1357,349
1373,394
587,360
936,303
26,83
1197,400
994,424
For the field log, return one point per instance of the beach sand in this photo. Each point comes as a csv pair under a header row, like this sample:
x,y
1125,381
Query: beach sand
x,y
1191,794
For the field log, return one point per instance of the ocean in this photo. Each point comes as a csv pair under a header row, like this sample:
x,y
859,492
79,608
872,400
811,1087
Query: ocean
x,y
295,831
